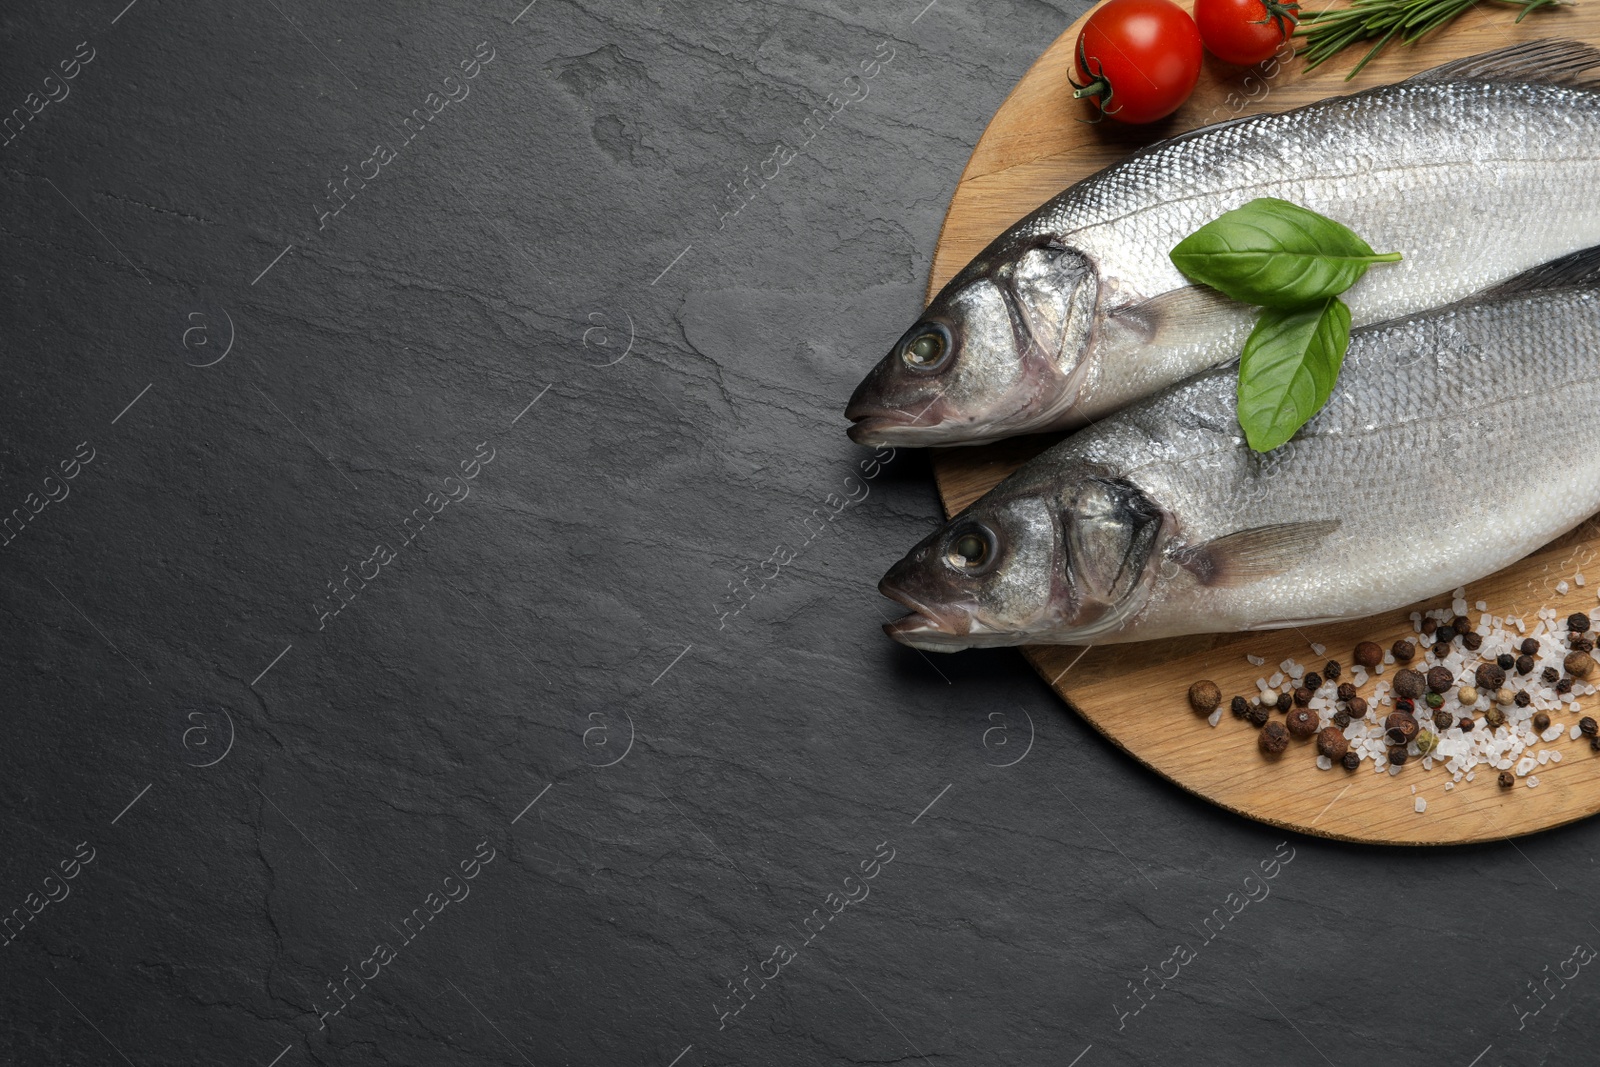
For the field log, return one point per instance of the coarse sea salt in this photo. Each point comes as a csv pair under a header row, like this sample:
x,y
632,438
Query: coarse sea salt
x,y
1324,763
1420,806
1215,717
1533,781
1562,587
1256,661
1483,605
1320,650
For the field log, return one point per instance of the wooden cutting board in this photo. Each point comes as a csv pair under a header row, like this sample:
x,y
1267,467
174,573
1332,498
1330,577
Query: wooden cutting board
x,y
1135,694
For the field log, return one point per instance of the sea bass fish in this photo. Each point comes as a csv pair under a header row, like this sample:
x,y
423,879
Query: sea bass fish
x,y
1456,442
1473,171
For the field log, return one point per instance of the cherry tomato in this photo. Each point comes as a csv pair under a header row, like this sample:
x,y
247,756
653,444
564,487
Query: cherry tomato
x,y
1138,59
1245,31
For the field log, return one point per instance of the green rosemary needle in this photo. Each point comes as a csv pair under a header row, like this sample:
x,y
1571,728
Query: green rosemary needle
x,y
1331,31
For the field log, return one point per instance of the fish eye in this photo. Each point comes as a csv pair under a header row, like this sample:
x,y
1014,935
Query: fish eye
x,y
927,349
970,549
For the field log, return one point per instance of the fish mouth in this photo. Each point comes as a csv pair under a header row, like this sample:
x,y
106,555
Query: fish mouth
x,y
878,428
924,627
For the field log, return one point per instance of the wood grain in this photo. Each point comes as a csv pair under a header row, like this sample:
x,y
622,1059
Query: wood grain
x,y
1135,694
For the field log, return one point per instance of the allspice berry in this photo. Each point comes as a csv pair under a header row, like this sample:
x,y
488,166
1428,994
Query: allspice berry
x,y
1490,676
1400,727
1507,780
1524,664
1302,722
1273,738
1578,664
1357,706
1204,697
1302,696
1369,655
1541,721
1409,684
1466,724
1440,679
1331,743
1404,651
1577,622
1472,641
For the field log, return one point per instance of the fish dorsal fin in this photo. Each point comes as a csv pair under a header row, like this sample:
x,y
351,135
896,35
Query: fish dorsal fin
x,y
1551,61
1260,552
1578,270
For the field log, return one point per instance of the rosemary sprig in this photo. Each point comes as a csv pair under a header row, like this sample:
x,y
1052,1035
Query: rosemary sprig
x,y
1331,31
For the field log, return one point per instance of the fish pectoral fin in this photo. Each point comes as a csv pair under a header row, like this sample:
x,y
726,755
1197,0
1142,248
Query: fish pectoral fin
x,y
1285,624
1551,61
1580,269
1177,317
1250,555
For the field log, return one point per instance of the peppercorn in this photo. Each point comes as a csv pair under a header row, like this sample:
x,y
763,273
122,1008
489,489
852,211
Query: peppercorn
x,y
1564,686
1578,664
1427,741
1341,719
1472,641
1495,718
1409,684
1460,624
1312,681
1522,699
1204,696
1490,676
1434,700
1398,755
1524,664
1351,760
1240,707
1331,743
1331,670
1302,696
1594,744
1405,705
1440,650
1428,626
1466,724
1588,727
1467,695
1274,738
1369,655
1506,780
1403,651
1577,622
1302,722
1505,661
1541,722
1439,679
1444,635
1284,701
1256,716
1550,675
1346,691
1443,719
1358,707
1504,696
1581,644
1529,647
1400,727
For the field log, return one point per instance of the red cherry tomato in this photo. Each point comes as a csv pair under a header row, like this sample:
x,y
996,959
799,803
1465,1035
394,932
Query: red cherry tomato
x,y
1138,59
1245,31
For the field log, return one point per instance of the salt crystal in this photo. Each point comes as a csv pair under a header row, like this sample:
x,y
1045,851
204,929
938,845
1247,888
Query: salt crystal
x,y
1572,734
1413,790
1388,657
1555,757
1393,770
1562,587
1320,650
1544,756
1276,680
1471,775
1261,684
1324,763
1526,764
1552,733
1449,786
1459,605
1287,667
1379,668
1421,805
1533,781
1215,717
1483,605
1578,579
1255,661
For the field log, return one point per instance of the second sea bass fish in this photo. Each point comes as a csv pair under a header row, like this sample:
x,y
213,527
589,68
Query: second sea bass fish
x,y
1474,171
1456,442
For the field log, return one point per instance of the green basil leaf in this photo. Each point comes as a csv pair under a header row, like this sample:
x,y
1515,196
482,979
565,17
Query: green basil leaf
x,y
1276,254
1288,368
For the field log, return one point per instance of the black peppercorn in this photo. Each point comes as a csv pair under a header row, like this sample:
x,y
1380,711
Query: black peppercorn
x,y
1402,650
1594,744
1428,626
1472,641
1312,681
1346,690
1442,719
1331,670
1273,738
1239,706
1524,664
1564,686
1441,650
1505,661
1581,644
1257,715
1550,675
1302,696
1341,719
1588,727
1490,677
1285,701
1529,647
1466,724
1506,780
1541,722
1522,699
1440,680
1351,760
1398,755
1577,622
1494,717
1460,624
1444,635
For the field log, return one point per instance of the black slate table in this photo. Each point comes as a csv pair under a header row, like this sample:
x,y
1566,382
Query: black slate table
x,y
440,622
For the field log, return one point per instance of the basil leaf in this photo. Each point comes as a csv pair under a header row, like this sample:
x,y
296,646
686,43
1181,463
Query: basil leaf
x,y
1276,254
1288,368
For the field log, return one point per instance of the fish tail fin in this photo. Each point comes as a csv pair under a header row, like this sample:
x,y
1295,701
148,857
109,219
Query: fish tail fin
x,y
1577,270
1549,61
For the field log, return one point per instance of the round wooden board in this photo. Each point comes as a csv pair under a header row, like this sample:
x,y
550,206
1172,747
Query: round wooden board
x,y
1135,694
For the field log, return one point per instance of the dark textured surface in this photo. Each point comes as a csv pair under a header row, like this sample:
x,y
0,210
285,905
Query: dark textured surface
x,y
567,614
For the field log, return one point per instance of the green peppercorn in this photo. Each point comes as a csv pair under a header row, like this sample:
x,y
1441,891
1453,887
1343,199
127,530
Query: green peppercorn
x,y
1435,700
1427,741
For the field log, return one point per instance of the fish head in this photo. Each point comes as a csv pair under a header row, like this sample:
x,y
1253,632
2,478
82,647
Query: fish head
x,y
998,352
1019,565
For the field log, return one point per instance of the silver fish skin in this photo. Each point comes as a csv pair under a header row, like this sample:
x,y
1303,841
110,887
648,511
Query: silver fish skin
x,y
1473,172
1455,443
